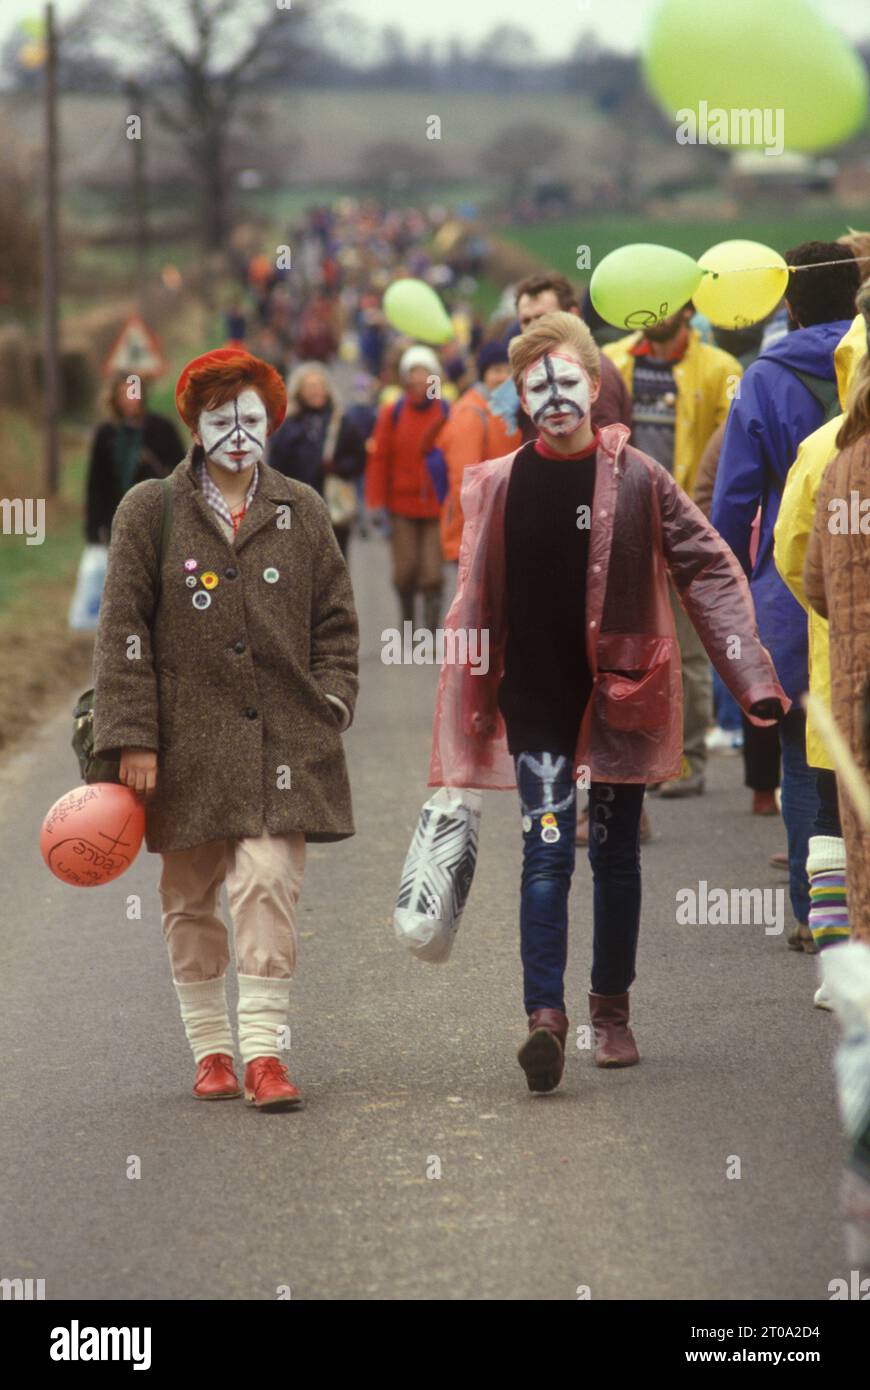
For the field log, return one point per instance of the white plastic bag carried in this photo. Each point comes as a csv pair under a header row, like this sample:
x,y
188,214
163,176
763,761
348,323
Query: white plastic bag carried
x,y
438,871
84,609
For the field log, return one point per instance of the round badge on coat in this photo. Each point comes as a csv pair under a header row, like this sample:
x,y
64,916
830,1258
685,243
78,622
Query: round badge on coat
x,y
191,581
191,564
210,579
527,823
550,834
548,819
271,575
201,599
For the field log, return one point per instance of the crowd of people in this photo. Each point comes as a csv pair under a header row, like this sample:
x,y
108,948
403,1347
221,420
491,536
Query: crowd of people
x,y
702,596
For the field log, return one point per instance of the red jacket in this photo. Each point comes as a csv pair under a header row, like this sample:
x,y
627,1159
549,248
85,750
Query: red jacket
x,y
644,529
397,477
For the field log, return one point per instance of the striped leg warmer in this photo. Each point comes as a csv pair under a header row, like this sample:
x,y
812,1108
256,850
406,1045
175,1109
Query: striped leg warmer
x,y
826,870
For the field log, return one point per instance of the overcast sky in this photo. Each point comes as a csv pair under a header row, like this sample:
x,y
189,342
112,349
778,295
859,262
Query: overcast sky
x,y
618,23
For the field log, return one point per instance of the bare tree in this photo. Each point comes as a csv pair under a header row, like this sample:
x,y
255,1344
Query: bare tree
x,y
202,60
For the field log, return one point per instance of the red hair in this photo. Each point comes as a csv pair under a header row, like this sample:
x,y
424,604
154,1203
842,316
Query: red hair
x,y
218,377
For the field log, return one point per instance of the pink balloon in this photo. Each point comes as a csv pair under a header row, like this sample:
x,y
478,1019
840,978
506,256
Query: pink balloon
x,y
93,834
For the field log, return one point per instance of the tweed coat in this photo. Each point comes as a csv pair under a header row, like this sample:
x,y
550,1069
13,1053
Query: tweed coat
x,y
230,682
837,585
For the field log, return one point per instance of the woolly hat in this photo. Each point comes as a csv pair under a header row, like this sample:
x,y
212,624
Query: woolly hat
x,y
490,355
419,356
263,379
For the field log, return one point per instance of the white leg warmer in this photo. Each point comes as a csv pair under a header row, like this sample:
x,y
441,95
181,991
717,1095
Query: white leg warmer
x,y
263,1008
205,1018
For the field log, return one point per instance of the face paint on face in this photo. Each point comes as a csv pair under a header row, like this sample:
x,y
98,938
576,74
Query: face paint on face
x,y
556,393
233,435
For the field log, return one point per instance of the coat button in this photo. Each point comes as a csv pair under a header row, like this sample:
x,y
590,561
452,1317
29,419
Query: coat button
x,y
239,648
251,713
231,573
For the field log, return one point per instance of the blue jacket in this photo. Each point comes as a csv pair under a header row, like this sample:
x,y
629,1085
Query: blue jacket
x,y
774,411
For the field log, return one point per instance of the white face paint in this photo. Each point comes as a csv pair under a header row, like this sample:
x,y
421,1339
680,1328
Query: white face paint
x,y
234,434
556,393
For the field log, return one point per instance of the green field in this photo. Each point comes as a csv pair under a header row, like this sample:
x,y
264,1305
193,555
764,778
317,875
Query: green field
x,y
555,243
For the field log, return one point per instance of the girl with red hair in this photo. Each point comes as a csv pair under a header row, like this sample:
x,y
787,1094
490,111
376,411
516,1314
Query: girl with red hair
x,y
225,674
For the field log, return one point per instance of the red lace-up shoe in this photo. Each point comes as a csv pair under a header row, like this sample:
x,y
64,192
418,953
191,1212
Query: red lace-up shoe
x,y
215,1078
268,1085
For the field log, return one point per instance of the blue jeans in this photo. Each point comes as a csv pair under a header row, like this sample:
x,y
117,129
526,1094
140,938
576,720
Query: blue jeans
x,y
549,809
800,807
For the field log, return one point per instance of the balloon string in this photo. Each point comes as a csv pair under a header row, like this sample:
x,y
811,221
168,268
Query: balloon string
x,y
819,265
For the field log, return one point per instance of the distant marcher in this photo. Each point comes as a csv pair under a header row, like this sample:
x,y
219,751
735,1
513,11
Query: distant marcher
x,y
298,448
135,444
837,585
351,452
472,435
787,393
681,390
398,481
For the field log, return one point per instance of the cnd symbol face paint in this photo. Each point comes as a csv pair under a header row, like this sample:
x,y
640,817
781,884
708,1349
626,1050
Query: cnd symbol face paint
x,y
556,393
234,434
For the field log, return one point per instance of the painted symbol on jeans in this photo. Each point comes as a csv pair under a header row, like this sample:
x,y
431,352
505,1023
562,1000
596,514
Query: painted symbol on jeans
x,y
602,812
210,579
527,824
201,599
271,575
550,835
191,581
191,564
547,771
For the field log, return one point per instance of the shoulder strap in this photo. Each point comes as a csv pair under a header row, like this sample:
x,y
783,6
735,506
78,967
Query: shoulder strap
x,y
166,500
397,410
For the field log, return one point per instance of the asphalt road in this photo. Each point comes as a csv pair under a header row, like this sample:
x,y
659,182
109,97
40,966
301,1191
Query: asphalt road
x,y
617,1182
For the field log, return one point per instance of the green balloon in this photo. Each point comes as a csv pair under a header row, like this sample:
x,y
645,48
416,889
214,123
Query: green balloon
x,y
774,57
414,308
639,285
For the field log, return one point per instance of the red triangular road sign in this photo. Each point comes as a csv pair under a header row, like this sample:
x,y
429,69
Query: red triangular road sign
x,y
135,351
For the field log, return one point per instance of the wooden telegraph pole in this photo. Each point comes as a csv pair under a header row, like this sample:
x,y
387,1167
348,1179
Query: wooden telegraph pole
x,y
50,266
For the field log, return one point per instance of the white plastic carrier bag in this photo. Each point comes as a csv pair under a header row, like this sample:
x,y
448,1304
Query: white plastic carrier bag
x,y
438,871
84,609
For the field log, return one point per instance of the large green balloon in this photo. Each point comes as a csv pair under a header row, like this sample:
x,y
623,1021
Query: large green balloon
x,y
414,308
639,285
765,55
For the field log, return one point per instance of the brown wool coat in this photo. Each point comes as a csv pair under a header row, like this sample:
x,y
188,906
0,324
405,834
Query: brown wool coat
x,y
229,695
837,585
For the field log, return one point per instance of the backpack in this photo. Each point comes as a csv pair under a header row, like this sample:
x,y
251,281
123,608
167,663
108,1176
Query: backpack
x,y
108,769
825,392
435,460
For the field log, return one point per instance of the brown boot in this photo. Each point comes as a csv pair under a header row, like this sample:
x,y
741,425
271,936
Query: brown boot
x,y
542,1055
614,1041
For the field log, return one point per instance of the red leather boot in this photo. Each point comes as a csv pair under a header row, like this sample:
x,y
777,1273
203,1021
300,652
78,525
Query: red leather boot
x,y
542,1055
268,1085
215,1078
614,1041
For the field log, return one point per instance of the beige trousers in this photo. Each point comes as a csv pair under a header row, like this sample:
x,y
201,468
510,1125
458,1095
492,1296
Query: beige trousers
x,y
263,875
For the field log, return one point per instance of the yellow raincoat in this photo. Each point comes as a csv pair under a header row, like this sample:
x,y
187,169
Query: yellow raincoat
x,y
797,514
706,379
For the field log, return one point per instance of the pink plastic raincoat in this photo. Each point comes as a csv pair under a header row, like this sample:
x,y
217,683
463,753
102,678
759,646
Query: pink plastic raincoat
x,y
643,527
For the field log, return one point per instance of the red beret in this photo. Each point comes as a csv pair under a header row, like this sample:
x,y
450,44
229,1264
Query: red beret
x,y
263,379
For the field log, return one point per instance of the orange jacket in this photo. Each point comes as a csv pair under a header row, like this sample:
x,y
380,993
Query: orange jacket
x,y
397,477
472,435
